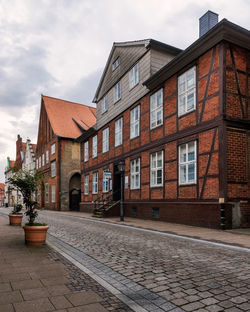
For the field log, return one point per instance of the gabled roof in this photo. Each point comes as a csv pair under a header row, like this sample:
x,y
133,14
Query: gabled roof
x,y
224,30
65,117
146,43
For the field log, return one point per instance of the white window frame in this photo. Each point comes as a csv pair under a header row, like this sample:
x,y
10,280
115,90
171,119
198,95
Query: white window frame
x,y
155,169
184,91
104,104
53,193
86,151
186,163
134,76
105,140
86,184
95,183
46,192
134,164
53,169
53,148
47,156
134,123
156,109
118,131
116,63
37,163
40,161
43,160
94,146
117,92
105,182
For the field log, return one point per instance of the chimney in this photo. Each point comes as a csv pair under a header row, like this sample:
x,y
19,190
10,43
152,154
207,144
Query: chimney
x,y
207,21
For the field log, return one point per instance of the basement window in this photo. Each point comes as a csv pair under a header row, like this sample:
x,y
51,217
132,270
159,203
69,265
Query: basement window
x,y
134,211
155,213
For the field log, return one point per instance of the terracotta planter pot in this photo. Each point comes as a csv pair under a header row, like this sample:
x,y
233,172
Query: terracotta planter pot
x,y
35,235
15,219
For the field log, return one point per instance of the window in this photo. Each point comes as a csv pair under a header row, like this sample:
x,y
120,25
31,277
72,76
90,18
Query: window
x,y
46,193
118,132
116,63
133,76
37,163
38,196
94,146
86,185
53,193
86,151
105,183
155,213
47,156
117,92
156,109
53,169
134,211
186,92
187,163
156,177
43,163
53,149
135,122
40,162
135,174
95,183
105,140
104,104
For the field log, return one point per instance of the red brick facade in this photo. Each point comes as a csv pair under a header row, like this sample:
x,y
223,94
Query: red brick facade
x,y
219,125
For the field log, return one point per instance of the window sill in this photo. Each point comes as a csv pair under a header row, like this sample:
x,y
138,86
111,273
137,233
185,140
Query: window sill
x,y
118,145
156,186
135,189
130,89
133,138
188,184
158,126
115,102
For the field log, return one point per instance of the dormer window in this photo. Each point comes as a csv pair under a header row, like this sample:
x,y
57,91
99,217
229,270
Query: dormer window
x,y
116,63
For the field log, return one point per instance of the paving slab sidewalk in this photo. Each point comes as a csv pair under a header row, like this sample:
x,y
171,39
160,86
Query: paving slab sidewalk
x,y
37,279
237,237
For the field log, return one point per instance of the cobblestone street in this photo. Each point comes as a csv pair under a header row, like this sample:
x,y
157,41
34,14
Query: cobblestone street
x,y
158,272
190,275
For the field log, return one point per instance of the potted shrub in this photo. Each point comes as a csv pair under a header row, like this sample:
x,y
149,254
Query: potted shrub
x,y
15,217
27,182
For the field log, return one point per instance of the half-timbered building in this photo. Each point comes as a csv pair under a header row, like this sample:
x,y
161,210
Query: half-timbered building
x,y
185,140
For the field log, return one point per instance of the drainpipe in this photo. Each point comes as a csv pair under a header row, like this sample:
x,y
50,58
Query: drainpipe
x,y
59,172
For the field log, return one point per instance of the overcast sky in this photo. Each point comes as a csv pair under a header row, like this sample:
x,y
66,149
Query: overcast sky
x,y
59,48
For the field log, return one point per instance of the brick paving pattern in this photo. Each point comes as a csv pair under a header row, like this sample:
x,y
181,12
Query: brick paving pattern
x,y
185,275
37,279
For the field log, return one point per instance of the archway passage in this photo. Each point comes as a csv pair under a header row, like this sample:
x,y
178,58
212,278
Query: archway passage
x,y
75,192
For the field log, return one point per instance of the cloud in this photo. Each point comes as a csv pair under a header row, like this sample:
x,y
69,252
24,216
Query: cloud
x,y
59,48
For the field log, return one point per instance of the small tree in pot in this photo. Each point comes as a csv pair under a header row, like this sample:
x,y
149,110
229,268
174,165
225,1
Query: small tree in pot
x,y
27,183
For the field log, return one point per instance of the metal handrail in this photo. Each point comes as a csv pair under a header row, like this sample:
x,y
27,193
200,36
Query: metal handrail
x,y
102,200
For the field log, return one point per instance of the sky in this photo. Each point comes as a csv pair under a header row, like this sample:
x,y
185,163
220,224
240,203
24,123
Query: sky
x,y
59,48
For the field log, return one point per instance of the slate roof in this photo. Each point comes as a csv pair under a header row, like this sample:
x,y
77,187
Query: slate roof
x,y
68,119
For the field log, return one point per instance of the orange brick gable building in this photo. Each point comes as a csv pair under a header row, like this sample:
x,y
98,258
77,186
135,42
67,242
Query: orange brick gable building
x,y
185,143
57,153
